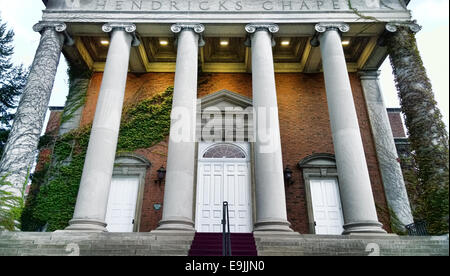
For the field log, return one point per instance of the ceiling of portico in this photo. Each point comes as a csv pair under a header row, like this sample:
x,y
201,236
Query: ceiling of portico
x,y
225,49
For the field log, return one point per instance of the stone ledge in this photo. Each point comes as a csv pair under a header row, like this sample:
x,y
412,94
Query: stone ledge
x,y
95,244
279,244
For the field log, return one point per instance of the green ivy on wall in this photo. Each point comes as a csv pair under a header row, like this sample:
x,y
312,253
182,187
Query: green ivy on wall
x,y
143,125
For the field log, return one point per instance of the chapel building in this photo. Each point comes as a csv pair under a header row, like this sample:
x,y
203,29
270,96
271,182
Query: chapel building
x,y
276,109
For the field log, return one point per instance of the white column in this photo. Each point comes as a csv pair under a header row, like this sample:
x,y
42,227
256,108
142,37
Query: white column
x,y
90,209
179,187
271,214
358,205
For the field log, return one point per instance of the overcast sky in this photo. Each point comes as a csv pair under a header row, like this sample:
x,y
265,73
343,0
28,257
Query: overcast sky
x,y
433,43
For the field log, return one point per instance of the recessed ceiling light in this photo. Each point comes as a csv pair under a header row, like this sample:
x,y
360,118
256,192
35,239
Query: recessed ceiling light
x,y
104,42
163,42
285,43
345,42
224,42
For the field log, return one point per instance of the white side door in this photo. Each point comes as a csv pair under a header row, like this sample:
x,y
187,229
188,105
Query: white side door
x,y
326,203
122,202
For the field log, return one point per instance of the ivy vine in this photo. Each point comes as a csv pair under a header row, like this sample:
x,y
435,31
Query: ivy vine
x,y
53,196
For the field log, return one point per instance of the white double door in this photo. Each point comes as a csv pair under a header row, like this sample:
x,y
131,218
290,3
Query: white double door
x,y
326,204
122,201
219,180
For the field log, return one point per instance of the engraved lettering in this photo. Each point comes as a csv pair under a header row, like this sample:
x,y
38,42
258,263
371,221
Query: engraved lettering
x,y
73,4
100,5
286,4
119,5
304,5
156,5
221,5
268,5
136,4
319,4
238,6
202,6
336,5
173,5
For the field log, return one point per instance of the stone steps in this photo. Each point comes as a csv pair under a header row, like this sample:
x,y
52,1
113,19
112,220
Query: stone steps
x,y
170,243
294,244
178,243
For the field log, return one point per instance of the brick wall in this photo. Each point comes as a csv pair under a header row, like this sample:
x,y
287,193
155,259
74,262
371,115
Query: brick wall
x,y
52,130
304,124
395,119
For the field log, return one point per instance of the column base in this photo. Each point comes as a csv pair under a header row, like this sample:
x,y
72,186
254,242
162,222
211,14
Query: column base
x,y
273,225
363,227
86,225
182,224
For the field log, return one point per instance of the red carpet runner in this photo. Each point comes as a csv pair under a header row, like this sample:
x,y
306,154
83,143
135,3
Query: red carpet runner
x,y
210,244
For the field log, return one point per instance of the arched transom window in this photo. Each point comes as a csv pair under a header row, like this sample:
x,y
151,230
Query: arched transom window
x,y
224,151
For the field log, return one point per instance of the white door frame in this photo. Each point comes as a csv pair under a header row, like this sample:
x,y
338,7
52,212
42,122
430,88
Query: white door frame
x,y
320,165
339,203
246,148
131,164
135,197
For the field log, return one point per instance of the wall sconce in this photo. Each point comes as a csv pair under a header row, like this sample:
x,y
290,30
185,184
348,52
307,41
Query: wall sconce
x,y
161,175
288,176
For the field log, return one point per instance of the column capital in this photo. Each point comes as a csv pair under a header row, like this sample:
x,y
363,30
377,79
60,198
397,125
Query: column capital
x,y
369,74
270,27
127,27
59,27
412,25
178,27
323,27
254,27
196,28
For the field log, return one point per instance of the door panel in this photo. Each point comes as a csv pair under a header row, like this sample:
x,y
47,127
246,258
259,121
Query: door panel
x,y
122,202
219,181
327,208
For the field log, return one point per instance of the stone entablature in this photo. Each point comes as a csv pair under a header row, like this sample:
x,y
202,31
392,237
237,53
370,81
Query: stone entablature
x,y
225,11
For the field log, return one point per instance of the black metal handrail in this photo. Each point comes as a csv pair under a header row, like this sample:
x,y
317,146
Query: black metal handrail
x,y
226,237
418,228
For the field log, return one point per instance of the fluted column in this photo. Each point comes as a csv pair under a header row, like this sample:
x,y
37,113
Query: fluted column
x,y
92,200
271,214
360,215
179,187
21,147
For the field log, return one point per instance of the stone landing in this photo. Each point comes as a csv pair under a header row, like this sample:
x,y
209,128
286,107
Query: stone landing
x,y
167,243
178,243
295,244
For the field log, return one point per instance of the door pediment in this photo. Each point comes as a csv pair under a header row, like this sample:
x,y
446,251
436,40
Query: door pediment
x,y
224,98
